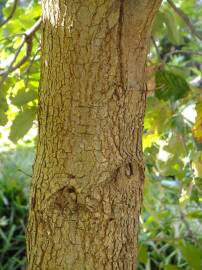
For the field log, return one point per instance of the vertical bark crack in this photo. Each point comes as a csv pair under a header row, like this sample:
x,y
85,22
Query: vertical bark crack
x,y
119,43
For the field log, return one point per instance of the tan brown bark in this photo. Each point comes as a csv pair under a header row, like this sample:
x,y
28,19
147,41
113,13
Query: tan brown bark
x,y
88,173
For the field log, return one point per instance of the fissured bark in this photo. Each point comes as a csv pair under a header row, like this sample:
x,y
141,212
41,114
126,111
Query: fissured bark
x,y
88,173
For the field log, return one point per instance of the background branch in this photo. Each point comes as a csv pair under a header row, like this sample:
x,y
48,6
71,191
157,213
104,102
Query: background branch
x,y
11,14
27,39
27,71
199,53
186,19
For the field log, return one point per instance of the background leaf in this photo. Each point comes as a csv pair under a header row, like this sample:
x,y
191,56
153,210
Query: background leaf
x,y
22,124
170,86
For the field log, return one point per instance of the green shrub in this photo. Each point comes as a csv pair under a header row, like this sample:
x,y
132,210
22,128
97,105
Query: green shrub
x,y
13,212
14,184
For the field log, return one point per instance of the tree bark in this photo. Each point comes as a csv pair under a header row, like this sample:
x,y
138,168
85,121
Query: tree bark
x,y
88,173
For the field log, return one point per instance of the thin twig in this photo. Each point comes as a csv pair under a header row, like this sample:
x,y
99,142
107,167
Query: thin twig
x,y
27,39
11,36
11,14
186,19
10,68
29,175
181,52
27,71
34,28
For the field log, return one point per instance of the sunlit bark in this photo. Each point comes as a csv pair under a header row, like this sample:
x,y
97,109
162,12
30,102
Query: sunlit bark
x,y
88,174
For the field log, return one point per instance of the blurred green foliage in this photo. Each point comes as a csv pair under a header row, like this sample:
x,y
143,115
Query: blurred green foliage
x,y
15,173
171,221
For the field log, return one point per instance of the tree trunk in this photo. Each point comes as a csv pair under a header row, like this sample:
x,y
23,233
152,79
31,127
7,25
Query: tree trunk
x,y
88,173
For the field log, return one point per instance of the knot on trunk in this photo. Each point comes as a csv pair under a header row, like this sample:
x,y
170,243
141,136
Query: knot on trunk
x,y
64,199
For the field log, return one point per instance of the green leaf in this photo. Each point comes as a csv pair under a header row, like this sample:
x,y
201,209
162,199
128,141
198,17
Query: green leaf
x,y
192,255
165,23
34,10
197,164
158,23
3,118
22,123
198,181
158,114
143,254
194,194
194,214
175,145
171,27
197,129
3,109
170,86
24,97
172,166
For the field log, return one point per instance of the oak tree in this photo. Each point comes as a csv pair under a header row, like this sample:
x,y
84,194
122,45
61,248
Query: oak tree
x,y
89,172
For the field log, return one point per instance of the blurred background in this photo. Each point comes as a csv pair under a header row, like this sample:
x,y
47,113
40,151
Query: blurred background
x,y
171,221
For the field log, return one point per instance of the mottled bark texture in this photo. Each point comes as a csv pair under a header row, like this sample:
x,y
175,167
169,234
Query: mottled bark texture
x,y
88,173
